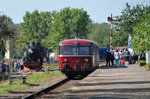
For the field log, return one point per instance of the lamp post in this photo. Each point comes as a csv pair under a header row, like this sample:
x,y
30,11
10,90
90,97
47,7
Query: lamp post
x,y
111,19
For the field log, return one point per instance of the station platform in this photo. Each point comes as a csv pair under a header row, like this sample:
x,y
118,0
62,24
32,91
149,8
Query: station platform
x,y
124,82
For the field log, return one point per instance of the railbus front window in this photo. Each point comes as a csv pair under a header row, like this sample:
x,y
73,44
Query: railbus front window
x,y
69,50
84,50
60,50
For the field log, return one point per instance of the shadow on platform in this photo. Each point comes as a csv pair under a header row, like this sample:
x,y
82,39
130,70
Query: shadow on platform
x,y
52,95
4,97
111,83
106,96
123,90
112,67
123,93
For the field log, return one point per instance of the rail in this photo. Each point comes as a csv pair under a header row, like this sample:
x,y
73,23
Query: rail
x,y
45,90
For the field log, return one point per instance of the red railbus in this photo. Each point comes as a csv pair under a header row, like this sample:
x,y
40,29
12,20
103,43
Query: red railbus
x,y
78,56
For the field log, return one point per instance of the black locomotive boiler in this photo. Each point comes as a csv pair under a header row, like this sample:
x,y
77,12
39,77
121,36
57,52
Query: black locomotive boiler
x,y
33,56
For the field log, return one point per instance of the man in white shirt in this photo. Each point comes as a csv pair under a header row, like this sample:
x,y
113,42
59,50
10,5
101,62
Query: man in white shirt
x,y
132,55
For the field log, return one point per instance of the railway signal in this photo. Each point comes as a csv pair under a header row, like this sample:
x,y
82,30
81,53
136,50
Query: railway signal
x,y
111,19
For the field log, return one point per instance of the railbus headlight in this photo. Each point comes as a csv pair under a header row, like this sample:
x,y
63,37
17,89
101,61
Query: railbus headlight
x,y
65,60
86,59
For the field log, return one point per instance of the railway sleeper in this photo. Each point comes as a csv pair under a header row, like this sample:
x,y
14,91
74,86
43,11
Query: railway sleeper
x,y
15,78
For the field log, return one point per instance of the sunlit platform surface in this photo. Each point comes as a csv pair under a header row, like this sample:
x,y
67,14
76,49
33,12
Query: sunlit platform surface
x,y
124,82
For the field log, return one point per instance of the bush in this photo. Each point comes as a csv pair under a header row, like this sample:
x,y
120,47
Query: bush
x,y
147,66
141,62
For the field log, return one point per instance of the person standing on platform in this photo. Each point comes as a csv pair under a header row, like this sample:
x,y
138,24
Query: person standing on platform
x,y
21,65
117,57
3,67
107,58
7,66
17,66
126,55
112,57
121,57
131,55
13,66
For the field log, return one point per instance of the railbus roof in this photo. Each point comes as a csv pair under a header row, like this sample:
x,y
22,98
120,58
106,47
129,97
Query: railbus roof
x,y
77,40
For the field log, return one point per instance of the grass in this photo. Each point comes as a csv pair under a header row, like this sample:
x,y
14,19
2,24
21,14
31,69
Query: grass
x,y
141,62
147,66
39,78
51,67
6,88
102,64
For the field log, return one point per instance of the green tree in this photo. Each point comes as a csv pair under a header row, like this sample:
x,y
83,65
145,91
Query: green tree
x,y
7,32
141,35
35,28
100,33
130,17
67,24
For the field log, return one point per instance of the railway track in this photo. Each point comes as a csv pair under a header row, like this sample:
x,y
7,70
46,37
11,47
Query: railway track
x,y
51,91
45,90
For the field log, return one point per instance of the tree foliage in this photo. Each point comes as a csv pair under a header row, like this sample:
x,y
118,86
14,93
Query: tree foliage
x,y
100,33
67,24
7,32
130,17
35,28
141,35
49,28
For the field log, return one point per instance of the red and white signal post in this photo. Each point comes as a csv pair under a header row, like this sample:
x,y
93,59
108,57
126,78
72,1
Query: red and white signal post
x,y
111,19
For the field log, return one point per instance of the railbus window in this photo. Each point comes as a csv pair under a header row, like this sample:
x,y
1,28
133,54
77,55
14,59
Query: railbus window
x,y
83,50
69,50
60,50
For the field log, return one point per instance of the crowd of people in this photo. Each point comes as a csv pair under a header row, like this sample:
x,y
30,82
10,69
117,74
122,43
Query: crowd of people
x,y
119,57
16,66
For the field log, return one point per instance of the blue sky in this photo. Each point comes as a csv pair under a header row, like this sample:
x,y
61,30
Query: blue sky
x,y
98,10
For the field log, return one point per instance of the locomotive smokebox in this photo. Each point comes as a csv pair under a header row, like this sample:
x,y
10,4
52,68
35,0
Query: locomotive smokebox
x,y
33,55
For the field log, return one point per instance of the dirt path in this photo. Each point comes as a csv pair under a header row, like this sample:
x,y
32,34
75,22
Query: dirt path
x,y
125,82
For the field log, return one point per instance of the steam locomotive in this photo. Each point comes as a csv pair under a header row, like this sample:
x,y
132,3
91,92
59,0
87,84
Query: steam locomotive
x,y
33,56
